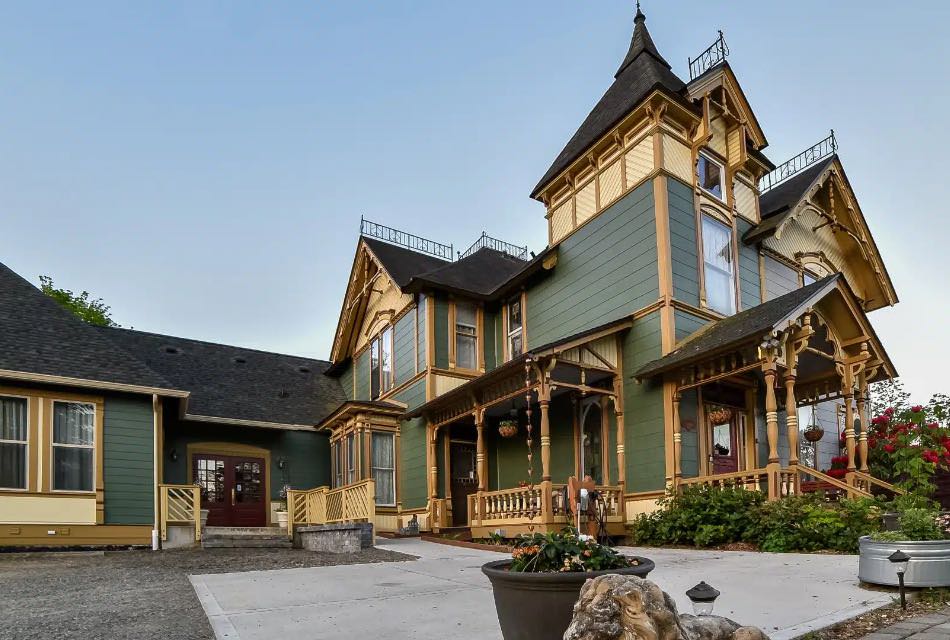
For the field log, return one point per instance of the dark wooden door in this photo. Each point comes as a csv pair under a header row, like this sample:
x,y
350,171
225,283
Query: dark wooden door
x,y
232,489
464,480
725,450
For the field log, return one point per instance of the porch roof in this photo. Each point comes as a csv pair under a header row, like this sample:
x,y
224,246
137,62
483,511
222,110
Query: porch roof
x,y
515,365
755,324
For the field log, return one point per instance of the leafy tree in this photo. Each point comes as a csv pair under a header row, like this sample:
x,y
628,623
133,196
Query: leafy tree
x,y
92,311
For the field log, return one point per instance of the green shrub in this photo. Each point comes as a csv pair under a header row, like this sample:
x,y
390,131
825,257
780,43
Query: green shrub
x,y
708,517
916,524
699,515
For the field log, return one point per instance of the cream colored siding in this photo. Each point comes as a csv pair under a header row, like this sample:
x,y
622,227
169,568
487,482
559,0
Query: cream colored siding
x,y
610,184
677,159
745,200
639,161
562,220
718,142
586,202
735,145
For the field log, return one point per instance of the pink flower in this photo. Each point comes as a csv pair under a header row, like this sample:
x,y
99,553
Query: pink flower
x,y
890,448
916,408
889,411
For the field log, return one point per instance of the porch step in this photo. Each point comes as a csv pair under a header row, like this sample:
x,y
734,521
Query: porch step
x,y
245,537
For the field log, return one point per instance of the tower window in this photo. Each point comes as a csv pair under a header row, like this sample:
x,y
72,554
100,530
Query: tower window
x,y
718,266
710,174
466,341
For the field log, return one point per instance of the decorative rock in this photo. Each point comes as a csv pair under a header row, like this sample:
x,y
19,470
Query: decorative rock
x,y
614,607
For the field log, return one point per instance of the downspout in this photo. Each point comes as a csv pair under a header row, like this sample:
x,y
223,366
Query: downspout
x,y
156,459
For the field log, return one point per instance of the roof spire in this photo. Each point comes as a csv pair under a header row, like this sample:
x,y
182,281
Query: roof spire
x,y
641,42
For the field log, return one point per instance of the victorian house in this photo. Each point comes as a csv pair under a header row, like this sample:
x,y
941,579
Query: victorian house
x,y
694,308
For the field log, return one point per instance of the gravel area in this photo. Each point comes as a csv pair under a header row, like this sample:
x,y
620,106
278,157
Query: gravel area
x,y
132,594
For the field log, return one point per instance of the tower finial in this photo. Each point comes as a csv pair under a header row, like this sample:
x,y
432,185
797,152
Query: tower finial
x,y
639,17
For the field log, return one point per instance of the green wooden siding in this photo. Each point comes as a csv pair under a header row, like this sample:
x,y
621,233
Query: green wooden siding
x,y
412,450
748,269
362,373
421,334
489,340
606,270
346,381
688,411
684,253
306,454
643,409
128,459
404,348
686,323
779,278
441,332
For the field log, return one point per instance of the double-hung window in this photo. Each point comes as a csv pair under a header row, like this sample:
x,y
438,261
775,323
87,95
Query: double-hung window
x,y
338,463
515,329
718,266
350,459
13,442
710,175
384,468
74,446
466,342
381,363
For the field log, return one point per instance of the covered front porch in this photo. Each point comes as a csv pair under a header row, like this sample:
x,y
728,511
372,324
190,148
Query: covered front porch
x,y
738,386
561,412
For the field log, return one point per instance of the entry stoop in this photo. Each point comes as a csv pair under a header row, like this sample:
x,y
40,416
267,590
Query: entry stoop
x,y
245,537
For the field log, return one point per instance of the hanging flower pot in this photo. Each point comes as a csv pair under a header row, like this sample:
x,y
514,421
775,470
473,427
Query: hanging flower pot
x,y
508,428
719,415
814,433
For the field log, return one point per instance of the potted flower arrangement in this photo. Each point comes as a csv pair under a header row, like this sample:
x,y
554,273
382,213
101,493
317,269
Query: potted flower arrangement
x,y
535,590
281,509
924,535
507,428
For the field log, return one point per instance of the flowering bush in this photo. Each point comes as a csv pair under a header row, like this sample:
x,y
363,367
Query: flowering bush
x,y
839,467
564,551
908,445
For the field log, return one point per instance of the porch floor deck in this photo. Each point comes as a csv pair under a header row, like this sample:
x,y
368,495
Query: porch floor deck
x,y
444,591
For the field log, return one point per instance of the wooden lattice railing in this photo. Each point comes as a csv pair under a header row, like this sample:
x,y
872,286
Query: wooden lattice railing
x,y
180,504
351,503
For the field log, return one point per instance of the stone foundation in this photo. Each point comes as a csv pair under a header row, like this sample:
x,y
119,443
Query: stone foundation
x,y
348,537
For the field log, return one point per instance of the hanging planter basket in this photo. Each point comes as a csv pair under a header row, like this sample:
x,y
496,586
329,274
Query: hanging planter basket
x,y
719,415
814,433
507,428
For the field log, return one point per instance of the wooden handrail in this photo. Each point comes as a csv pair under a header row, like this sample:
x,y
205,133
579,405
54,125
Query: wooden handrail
x,y
350,503
179,503
824,477
751,475
871,480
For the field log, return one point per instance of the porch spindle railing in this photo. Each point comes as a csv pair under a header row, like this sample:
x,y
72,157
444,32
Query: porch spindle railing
x,y
351,503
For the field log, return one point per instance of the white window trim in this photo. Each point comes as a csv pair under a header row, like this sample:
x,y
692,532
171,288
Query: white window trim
x,y
392,440
474,334
735,267
722,178
26,444
53,444
512,333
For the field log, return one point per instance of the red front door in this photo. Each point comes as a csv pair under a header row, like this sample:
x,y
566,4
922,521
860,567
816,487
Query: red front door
x,y
725,450
232,489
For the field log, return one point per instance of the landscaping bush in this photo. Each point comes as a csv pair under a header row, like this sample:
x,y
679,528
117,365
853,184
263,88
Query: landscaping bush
x,y
708,517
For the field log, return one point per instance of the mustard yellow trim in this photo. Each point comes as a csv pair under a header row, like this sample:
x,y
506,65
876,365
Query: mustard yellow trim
x,y
232,449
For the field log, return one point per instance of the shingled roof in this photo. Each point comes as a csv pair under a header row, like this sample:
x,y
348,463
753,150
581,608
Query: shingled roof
x,y
402,263
643,69
779,200
40,337
480,274
229,382
721,335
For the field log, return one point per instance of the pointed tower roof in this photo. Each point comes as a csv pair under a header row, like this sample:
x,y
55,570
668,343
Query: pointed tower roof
x,y
642,70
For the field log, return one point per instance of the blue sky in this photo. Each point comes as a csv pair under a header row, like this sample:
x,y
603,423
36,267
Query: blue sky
x,y
203,166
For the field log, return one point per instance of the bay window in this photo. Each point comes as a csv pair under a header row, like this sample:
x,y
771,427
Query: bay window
x,y
515,329
74,432
384,468
13,442
718,266
466,342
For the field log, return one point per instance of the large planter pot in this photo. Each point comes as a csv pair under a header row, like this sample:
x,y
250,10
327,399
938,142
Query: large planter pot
x,y
282,519
929,565
539,606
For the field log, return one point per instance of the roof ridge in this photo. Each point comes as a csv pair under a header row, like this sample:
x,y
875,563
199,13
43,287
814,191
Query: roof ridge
x,y
214,344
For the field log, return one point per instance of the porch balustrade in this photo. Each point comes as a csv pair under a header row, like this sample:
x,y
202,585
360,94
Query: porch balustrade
x,y
788,481
179,504
351,503
545,505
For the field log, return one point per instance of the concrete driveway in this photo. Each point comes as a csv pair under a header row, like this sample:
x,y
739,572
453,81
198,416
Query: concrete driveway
x,y
444,593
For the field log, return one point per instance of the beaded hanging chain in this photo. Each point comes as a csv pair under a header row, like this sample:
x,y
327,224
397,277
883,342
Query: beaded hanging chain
x,y
529,440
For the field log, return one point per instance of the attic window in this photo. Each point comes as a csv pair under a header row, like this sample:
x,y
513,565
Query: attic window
x,y
239,360
303,369
710,175
283,393
171,350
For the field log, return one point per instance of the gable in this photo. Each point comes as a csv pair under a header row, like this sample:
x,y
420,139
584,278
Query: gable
x,y
825,229
721,87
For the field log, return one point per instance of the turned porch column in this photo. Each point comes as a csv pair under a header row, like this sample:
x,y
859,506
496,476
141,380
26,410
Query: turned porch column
x,y
863,419
480,460
677,441
544,400
432,462
791,418
847,393
771,428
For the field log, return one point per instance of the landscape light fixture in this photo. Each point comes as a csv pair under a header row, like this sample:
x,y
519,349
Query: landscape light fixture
x,y
900,560
703,598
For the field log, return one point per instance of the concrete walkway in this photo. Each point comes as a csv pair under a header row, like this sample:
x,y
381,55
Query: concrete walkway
x,y
933,626
444,593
